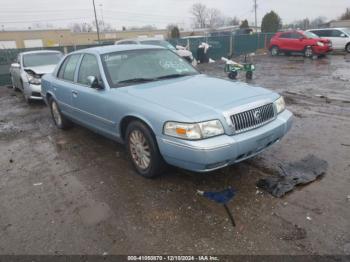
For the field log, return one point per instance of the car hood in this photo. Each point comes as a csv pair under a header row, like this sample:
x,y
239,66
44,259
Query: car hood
x,y
41,70
194,95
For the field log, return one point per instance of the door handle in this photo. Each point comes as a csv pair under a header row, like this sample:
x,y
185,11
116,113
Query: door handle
x,y
75,93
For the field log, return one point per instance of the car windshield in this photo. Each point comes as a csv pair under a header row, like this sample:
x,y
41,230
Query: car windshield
x,y
346,30
139,66
311,35
159,43
41,59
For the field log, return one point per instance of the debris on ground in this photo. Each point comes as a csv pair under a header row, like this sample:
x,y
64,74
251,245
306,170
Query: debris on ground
x,y
37,184
222,197
301,172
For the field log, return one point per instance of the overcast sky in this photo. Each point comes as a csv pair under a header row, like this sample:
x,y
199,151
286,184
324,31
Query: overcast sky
x,y
61,13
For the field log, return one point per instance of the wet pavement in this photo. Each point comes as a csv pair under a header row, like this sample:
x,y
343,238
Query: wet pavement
x,y
75,192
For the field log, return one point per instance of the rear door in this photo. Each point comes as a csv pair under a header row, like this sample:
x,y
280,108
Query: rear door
x,y
296,42
64,83
92,106
284,41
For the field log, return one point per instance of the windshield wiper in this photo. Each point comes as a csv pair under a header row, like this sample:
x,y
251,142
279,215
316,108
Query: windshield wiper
x,y
173,76
136,80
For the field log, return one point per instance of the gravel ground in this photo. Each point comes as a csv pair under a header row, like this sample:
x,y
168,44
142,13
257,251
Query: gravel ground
x,y
75,192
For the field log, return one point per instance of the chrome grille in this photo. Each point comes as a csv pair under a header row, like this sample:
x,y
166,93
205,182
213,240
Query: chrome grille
x,y
253,118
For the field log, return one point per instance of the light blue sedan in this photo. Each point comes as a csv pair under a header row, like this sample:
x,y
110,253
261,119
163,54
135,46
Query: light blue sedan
x,y
163,109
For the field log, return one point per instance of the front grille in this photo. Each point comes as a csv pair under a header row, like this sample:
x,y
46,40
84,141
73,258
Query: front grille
x,y
253,118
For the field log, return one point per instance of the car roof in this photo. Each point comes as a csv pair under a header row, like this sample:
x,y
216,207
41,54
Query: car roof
x,y
141,39
40,51
116,48
330,28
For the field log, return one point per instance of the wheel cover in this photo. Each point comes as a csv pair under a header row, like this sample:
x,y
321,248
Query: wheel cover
x,y
139,149
56,114
308,52
348,48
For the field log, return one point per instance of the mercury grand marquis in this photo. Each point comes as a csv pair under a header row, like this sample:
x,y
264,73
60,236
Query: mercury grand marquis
x,y
163,109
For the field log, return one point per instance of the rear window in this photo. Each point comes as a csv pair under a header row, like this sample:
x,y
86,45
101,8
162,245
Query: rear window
x,y
68,67
41,59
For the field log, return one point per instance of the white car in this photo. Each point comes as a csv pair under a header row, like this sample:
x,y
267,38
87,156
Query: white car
x,y
180,50
340,37
29,67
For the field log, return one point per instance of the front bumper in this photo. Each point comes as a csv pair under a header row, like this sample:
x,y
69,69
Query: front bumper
x,y
32,91
217,152
321,50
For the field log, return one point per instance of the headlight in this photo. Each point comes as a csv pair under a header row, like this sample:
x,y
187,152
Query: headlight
x,y
194,131
32,79
280,105
320,44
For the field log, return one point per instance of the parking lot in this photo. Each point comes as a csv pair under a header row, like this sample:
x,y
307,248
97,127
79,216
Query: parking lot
x,y
75,192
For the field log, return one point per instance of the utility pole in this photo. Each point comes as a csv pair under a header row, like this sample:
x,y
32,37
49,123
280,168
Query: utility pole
x,y
98,30
256,19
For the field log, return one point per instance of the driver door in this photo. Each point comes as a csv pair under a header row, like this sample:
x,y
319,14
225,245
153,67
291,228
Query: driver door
x,y
91,105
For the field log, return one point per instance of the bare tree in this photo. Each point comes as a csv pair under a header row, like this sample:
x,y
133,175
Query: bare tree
x,y
215,18
81,27
346,15
318,22
199,12
234,21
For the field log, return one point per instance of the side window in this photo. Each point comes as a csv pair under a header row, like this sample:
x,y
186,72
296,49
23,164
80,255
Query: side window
x,y
336,33
295,36
88,67
320,33
285,35
68,67
128,43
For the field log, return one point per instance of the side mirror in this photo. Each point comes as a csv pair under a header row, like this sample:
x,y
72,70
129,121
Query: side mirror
x,y
343,35
94,83
15,65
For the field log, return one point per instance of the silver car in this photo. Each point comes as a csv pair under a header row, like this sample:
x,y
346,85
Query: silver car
x,y
29,67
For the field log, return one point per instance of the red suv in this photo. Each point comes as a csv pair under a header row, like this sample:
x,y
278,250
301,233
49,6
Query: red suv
x,y
299,41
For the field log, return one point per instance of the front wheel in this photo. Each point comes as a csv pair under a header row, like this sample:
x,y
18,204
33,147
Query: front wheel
x,y
143,150
60,120
308,52
347,48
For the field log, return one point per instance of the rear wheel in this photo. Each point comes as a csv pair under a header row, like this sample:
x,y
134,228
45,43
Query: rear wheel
x,y
60,120
275,51
13,84
347,48
249,75
143,150
308,52
233,75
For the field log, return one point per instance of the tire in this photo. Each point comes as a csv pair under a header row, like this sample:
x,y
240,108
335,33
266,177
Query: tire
x,y
249,75
274,51
233,75
308,52
58,118
347,48
143,150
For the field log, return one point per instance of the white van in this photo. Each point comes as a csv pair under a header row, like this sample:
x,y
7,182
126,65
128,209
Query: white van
x,y
340,37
